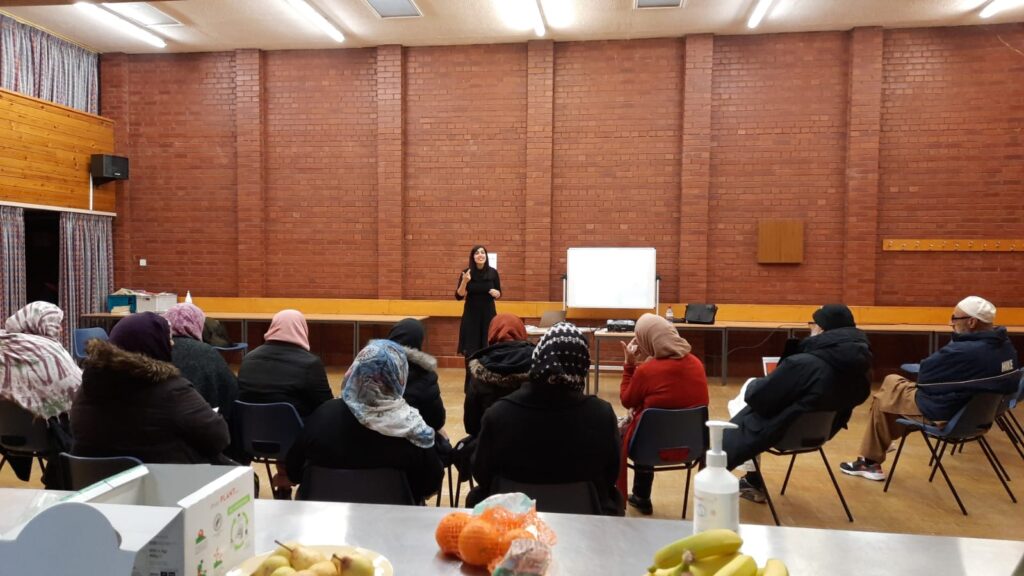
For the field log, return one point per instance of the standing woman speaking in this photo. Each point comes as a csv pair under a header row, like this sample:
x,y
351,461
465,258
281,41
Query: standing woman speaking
x,y
480,286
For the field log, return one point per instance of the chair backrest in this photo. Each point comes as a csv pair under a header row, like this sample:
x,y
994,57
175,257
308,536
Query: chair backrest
x,y
21,432
568,498
82,337
552,317
80,471
808,432
369,486
266,431
665,437
974,419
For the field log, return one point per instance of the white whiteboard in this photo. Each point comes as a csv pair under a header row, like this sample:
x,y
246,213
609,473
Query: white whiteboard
x,y
611,277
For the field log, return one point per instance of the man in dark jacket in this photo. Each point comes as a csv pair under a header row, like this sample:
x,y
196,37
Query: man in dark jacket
x,y
829,373
977,351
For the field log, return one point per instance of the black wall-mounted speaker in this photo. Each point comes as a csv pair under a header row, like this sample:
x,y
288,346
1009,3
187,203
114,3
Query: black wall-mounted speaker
x,y
105,168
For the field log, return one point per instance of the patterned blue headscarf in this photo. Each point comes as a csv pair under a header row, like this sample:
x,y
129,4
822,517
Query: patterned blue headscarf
x,y
373,389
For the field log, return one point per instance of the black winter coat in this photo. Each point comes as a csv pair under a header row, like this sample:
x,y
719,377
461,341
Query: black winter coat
x,y
132,405
494,372
421,389
549,435
830,373
968,357
283,372
333,438
206,369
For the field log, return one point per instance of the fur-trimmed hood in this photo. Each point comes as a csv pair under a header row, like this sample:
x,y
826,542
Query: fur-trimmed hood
x,y
115,367
421,359
505,365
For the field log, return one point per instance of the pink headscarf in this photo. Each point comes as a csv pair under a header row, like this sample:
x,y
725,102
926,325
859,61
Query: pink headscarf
x,y
186,320
289,326
38,318
658,338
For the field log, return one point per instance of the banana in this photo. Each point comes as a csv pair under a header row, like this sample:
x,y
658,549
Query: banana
x,y
710,566
677,570
775,567
703,545
741,565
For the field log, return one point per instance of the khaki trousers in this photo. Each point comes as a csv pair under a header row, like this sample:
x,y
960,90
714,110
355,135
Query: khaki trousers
x,y
896,398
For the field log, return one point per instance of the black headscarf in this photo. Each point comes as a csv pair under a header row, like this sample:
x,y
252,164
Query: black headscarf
x,y
479,273
409,333
832,316
145,333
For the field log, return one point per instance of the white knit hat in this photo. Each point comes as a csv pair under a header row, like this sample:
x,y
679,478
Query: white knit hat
x,y
979,308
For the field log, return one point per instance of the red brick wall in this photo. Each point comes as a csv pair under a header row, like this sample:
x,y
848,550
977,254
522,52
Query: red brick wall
x,y
952,162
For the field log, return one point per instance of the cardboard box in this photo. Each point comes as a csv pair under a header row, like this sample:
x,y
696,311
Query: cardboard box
x,y
215,527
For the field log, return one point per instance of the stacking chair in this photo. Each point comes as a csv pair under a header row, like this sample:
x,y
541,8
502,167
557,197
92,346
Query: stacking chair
x,y
968,425
266,431
236,347
670,440
22,434
568,498
1006,420
80,471
455,485
82,337
369,486
806,434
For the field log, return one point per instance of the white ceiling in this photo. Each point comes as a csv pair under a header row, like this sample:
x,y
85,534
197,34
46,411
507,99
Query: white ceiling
x,y
215,25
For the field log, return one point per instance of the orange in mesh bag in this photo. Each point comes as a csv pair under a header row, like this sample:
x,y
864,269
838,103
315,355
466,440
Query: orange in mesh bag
x,y
479,543
448,530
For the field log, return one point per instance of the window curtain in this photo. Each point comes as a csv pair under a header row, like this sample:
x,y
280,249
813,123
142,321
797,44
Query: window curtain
x,y
37,64
12,261
86,267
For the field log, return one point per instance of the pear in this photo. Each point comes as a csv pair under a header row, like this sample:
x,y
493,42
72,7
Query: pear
x,y
284,549
353,565
323,568
303,557
271,563
305,573
283,571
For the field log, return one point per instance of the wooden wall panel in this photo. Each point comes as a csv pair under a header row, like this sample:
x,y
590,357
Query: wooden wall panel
x,y
44,156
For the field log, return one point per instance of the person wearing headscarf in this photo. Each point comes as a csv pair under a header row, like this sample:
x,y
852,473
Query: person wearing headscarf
x,y
134,402
830,373
199,362
497,370
658,372
283,369
371,425
421,390
36,372
549,431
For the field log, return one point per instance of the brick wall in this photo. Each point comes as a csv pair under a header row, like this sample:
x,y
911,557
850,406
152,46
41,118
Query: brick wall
x,y
368,173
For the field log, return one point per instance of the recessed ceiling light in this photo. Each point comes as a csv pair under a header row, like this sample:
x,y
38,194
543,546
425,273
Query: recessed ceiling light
x,y
394,8
521,15
312,15
758,14
658,3
996,6
142,13
121,24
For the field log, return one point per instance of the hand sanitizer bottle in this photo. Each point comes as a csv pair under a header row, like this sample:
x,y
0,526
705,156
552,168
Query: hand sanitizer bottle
x,y
188,296
716,492
669,315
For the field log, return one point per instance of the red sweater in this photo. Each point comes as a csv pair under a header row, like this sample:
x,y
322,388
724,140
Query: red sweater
x,y
660,383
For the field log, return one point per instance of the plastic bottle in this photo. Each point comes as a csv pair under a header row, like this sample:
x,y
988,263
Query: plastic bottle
x,y
669,315
716,492
188,296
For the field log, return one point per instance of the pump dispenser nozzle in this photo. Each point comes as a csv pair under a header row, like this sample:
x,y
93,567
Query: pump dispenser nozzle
x,y
716,458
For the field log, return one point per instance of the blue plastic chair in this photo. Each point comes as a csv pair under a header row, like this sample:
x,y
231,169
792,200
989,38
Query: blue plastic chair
x,y
82,337
80,471
568,498
238,347
367,486
808,433
1008,422
266,431
22,434
670,440
969,424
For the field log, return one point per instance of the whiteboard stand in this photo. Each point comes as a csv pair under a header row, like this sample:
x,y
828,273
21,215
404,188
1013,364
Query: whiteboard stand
x,y
565,278
657,292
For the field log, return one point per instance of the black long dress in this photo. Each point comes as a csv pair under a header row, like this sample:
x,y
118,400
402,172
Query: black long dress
x,y
478,311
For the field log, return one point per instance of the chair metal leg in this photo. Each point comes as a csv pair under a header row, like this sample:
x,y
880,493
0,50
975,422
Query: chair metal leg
x,y
767,493
451,488
834,483
994,461
788,472
2,462
938,462
686,492
941,445
1015,422
1011,433
892,469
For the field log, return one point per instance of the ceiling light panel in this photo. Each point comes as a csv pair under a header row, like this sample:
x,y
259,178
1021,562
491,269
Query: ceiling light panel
x,y
142,13
394,8
658,3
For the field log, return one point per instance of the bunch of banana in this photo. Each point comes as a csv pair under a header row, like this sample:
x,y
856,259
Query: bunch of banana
x,y
711,553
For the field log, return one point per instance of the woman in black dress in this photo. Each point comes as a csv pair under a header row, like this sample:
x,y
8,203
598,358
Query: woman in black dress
x,y
480,286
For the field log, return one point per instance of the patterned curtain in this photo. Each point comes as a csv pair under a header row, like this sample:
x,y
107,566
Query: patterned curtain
x,y
37,64
12,260
86,267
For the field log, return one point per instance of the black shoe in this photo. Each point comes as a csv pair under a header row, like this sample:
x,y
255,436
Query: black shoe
x,y
642,504
750,492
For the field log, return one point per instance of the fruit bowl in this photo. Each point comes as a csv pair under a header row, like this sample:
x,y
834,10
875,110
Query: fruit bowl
x,y
382,566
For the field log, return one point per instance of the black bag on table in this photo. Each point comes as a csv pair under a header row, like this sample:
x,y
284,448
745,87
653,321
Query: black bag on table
x,y
700,313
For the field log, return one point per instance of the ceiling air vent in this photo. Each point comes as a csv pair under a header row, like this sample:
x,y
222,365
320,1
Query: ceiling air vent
x,y
658,3
394,8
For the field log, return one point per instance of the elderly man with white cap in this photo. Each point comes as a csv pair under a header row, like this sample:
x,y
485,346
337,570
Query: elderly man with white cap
x,y
978,350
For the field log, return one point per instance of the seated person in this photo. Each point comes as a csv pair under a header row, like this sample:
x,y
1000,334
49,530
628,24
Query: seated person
x,y
38,374
977,350
831,372
134,402
659,372
421,390
549,431
371,426
199,362
497,370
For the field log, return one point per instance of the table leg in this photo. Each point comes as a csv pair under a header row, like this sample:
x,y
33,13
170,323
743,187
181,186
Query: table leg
x,y
725,356
245,331
355,340
597,366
